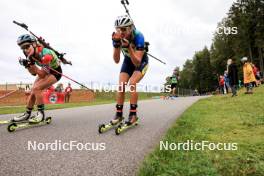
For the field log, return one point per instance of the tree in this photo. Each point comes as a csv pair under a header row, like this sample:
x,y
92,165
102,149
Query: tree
x,y
247,17
204,78
186,75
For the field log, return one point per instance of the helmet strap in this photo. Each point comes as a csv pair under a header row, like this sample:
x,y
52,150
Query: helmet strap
x,y
132,32
24,53
35,54
35,48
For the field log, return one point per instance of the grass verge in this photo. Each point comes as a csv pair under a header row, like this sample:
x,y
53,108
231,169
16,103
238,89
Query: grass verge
x,y
218,119
101,98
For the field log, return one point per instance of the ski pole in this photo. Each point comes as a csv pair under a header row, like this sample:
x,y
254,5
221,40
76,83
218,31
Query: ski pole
x,y
62,75
69,78
156,58
125,3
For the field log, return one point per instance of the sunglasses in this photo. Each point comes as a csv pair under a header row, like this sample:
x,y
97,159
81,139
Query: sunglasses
x,y
25,47
122,29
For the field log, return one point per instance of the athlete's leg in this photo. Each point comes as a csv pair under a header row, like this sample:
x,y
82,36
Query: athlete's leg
x,y
123,80
32,99
135,78
41,85
174,90
120,97
29,106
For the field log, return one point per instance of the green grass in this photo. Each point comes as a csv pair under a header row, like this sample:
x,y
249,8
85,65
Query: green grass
x,y
101,98
216,119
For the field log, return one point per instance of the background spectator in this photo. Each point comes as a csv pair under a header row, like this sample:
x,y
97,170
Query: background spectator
x,y
221,84
248,75
227,84
68,91
257,75
233,76
59,88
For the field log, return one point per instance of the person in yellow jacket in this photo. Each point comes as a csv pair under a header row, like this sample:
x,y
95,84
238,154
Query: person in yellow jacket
x,y
248,75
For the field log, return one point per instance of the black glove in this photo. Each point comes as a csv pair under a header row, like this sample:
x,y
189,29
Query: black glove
x,y
25,62
116,40
31,61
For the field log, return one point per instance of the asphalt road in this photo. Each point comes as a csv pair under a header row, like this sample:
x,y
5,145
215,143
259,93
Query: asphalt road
x,y
96,154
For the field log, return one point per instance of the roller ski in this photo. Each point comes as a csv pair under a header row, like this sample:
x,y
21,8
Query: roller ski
x,y
3,122
132,121
22,118
113,123
25,121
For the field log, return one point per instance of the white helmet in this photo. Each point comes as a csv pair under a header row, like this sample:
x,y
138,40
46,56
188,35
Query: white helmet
x,y
123,21
244,59
229,61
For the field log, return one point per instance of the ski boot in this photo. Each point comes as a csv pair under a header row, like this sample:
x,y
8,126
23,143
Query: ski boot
x,y
132,121
114,122
39,119
22,118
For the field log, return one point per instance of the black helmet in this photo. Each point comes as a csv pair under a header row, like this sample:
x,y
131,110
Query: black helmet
x,y
25,38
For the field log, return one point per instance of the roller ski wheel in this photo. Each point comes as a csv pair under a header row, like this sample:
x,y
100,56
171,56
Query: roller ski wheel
x,y
26,124
123,127
12,127
106,127
48,120
118,130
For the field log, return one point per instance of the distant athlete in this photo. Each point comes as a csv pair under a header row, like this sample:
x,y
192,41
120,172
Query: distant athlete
x,y
47,74
173,81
